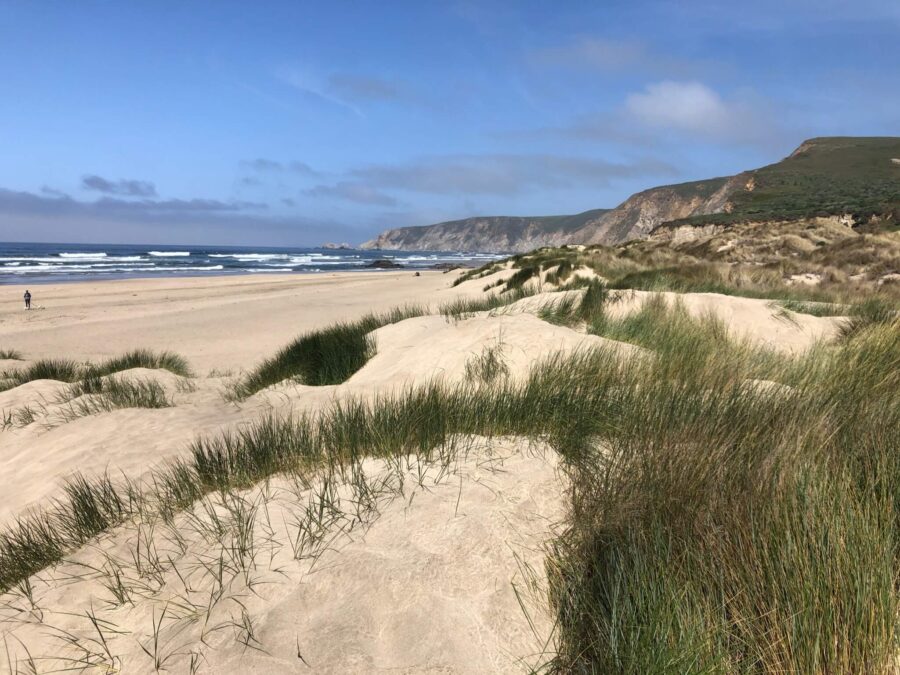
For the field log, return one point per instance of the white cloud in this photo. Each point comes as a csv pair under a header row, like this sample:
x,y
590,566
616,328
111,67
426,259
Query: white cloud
x,y
696,109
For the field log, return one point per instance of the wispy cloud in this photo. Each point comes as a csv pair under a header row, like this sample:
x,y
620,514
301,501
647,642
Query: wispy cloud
x,y
125,188
359,193
348,90
502,174
263,165
362,88
63,218
621,56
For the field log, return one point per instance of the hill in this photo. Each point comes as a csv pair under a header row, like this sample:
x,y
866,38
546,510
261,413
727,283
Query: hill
x,y
854,177
512,234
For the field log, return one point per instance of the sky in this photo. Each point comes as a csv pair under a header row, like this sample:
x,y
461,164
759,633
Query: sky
x,y
298,123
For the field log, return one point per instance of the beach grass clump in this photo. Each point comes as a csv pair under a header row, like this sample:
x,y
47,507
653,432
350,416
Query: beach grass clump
x,y
62,370
141,358
38,539
10,355
95,394
464,308
726,528
871,312
487,366
69,370
560,311
814,308
324,356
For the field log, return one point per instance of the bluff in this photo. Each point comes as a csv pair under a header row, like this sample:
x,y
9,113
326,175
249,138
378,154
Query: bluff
x,y
508,234
853,177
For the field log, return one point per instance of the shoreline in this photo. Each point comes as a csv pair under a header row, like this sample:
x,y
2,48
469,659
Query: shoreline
x,y
161,276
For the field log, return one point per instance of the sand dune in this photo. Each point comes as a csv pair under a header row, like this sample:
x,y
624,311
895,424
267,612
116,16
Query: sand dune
x,y
424,583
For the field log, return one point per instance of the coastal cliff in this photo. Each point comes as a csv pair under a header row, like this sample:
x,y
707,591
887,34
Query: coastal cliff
x,y
855,177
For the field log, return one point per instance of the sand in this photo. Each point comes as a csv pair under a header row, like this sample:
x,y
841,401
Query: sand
x,y
432,581
223,323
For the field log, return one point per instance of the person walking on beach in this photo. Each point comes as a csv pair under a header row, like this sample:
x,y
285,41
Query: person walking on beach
x,y
27,299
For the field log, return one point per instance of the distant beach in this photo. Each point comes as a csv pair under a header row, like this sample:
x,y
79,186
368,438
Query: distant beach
x,y
51,263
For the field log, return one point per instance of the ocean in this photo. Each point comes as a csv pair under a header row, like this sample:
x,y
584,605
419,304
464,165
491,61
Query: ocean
x,y
45,263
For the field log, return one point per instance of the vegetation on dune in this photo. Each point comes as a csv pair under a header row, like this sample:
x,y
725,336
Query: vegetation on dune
x,y
332,355
62,370
325,356
716,523
464,308
654,266
10,355
67,370
141,358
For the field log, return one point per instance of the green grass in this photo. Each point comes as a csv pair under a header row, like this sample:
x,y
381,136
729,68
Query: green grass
x,y
97,395
325,356
10,354
142,358
874,311
814,308
62,370
464,308
68,370
828,176
488,366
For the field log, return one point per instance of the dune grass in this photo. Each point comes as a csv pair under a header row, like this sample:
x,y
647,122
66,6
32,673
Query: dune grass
x,y
68,370
814,308
464,308
325,356
62,370
141,358
714,525
95,394
10,355
332,355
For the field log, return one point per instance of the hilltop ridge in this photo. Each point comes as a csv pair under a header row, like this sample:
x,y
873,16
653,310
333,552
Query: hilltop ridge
x,y
854,177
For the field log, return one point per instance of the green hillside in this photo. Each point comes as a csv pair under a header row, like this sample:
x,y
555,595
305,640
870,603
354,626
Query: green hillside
x,y
824,176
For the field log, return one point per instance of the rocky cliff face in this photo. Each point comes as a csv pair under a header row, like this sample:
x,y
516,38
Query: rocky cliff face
x,y
638,215
634,218
502,234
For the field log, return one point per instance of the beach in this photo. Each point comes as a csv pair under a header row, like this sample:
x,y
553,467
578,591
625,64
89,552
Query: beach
x,y
216,322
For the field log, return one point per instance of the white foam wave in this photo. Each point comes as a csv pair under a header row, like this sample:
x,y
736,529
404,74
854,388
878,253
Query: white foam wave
x,y
169,254
82,255
251,257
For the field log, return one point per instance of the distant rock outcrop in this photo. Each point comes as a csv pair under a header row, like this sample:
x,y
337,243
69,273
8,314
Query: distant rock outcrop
x,y
384,265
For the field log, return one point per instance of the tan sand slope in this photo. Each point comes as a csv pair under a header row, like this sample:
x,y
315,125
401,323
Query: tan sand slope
x,y
438,581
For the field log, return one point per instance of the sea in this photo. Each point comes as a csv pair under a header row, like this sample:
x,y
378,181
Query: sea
x,y
46,263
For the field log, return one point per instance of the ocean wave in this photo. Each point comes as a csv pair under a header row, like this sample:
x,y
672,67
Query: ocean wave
x,y
250,257
64,261
82,255
97,269
169,254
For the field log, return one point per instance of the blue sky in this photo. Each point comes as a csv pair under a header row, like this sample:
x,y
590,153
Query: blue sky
x,y
296,123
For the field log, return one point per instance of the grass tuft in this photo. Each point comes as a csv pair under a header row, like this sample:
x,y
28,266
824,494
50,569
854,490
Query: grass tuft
x,y
325,356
